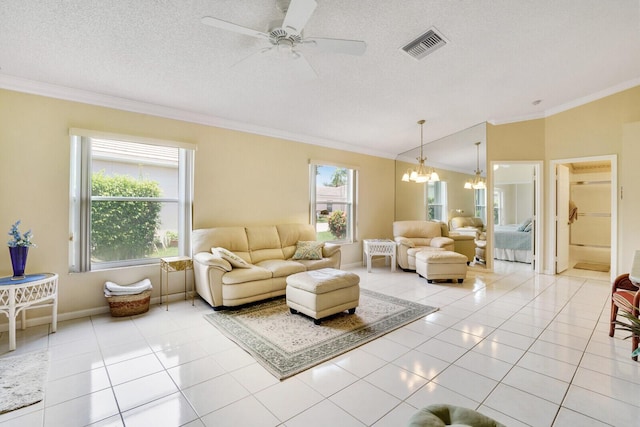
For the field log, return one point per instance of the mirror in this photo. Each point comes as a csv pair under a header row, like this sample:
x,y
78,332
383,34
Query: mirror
x,y
515,204
455,158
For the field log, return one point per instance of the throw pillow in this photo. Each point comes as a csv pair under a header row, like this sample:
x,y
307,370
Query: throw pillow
x,y
233,259
524,224
528,228
308,250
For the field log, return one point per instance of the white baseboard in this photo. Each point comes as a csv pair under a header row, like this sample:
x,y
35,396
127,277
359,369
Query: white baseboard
x,y
45,320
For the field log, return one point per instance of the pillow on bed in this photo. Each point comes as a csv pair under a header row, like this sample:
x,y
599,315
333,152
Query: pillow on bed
x,y
233,259
528,228
524,224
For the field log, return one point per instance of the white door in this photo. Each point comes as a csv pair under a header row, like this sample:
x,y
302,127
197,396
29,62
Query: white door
x,y
562,218
629,197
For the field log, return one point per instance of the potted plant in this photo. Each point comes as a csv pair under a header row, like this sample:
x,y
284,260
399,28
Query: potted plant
x,y
633,327
19,249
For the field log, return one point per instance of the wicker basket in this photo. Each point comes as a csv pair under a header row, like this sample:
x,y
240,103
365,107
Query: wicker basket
x,y
129,305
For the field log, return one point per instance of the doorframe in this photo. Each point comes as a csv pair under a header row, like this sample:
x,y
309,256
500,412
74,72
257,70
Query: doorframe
x,y
551,229
539,209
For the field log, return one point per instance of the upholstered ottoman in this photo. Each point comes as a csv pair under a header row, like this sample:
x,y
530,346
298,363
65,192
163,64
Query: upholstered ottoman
x,y
445,265
321,293
412,252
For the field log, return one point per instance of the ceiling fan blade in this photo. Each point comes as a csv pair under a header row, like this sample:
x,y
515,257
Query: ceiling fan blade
x,y
302,68
219,23
348,47
298,15
277,65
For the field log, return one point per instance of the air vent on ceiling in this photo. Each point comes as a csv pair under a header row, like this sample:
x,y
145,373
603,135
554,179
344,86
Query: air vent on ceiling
x,y
425,44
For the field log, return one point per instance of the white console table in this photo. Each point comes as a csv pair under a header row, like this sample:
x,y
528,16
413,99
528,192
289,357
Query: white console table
x,y
32,291
384,247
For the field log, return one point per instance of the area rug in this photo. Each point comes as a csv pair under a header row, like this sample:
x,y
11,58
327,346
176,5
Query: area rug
x,y
592,267
286,344
22,380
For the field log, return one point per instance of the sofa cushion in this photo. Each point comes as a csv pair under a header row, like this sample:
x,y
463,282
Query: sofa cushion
x,y
264,243
290,234
231,238
232,258
281,268
242,275
466,222
308,250
418,229
313,264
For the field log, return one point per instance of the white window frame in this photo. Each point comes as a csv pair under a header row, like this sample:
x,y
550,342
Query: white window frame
x,y
498,206
440,189
80,198
352,193
480,205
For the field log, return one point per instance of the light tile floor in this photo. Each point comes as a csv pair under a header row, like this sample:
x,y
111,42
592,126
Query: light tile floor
x,y
526,349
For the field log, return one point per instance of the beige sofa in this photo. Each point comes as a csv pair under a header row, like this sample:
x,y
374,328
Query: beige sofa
x,y
415,236
266,253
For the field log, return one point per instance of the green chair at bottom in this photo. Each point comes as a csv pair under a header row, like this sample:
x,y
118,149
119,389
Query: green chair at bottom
x,y
449,415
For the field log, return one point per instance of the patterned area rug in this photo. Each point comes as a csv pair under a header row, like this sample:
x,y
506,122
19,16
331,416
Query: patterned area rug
x,y
22,380
287,344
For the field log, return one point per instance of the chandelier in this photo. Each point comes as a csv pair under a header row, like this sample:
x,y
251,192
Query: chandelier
x,y
477,183
421,174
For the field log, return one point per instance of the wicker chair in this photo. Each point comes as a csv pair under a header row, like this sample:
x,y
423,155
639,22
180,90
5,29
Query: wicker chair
x,y
625,295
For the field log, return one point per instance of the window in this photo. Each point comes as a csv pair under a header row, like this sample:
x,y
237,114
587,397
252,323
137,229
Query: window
x,y
437,201
481,204
333,190
130,200
498,205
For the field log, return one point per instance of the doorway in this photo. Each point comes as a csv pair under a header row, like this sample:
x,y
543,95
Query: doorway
x,y
584,230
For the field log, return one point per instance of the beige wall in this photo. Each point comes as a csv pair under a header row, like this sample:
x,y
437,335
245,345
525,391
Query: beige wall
x,y
410,199
240,179
233,169
593,129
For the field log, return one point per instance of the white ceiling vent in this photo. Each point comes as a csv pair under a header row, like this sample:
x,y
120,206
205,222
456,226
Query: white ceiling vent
x,y
427,43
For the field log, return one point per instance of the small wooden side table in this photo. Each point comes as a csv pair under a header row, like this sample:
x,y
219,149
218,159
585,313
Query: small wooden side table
x,y
32,291
173,264
385,247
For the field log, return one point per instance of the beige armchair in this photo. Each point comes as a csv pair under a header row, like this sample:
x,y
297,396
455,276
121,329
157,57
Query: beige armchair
x,y
415,236
469,225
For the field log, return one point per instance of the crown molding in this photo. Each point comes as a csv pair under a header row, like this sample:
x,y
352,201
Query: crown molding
x,y
569,105
33,87
593,97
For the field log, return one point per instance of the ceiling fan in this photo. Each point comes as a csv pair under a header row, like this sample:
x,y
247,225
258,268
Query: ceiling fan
x,y
286,39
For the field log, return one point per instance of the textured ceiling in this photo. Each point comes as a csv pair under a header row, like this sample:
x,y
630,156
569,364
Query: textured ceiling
x,y
500,56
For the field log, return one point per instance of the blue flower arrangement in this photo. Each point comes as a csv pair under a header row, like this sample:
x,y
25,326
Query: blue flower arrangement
x,y
19,240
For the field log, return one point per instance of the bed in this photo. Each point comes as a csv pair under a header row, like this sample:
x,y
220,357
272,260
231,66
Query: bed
x,y
513,242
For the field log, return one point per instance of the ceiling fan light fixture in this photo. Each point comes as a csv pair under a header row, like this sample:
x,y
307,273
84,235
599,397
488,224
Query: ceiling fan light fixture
x,y
421,173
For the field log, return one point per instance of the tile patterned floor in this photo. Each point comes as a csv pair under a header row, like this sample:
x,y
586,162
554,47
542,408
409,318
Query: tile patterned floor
x,y
526,349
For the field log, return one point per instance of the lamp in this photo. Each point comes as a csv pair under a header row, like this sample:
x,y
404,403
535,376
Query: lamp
x,y
477,183
421,174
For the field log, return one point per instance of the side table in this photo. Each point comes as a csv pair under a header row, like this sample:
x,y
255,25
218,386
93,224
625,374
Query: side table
x,y
385,247
33,291
173,264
